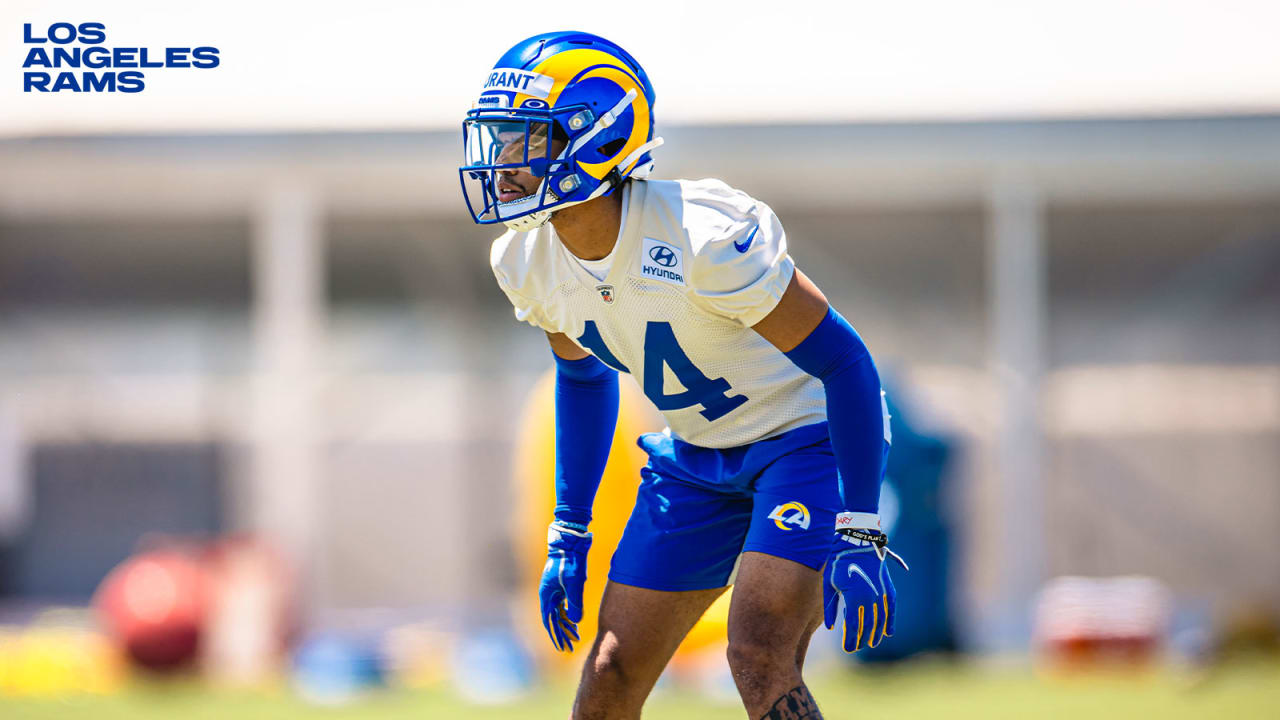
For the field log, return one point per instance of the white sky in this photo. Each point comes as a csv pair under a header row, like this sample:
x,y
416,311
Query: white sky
x,y
374,64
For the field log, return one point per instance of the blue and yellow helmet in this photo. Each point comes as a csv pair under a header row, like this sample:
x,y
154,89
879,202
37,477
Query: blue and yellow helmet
x,y
571,108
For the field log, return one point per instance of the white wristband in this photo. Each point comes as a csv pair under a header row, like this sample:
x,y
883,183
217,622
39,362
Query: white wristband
x,y
858,521
558,528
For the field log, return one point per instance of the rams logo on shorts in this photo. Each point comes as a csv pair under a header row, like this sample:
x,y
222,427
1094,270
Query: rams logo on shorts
x,y
790,514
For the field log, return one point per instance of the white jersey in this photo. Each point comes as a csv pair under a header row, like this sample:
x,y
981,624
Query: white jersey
x,y
696,265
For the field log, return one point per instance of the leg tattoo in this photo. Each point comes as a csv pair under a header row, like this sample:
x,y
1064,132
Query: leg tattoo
x,y
797,704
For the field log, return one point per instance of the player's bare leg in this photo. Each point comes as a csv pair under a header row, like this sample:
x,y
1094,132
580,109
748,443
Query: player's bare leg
x,y
815,622
772,616
639,632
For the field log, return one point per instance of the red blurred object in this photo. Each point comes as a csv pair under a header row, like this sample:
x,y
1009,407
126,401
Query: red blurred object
x,y
1086,623
154,605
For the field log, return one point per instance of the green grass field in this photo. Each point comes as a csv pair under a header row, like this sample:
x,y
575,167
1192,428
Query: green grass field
x,y
1238,691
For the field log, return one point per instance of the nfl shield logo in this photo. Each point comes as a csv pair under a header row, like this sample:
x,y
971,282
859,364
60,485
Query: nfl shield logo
x,y
606,293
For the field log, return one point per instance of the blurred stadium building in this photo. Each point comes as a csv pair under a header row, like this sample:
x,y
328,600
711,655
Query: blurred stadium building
x,y
298,334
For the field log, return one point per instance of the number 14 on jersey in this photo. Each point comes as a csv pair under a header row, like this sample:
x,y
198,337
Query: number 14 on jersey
x,y
661,348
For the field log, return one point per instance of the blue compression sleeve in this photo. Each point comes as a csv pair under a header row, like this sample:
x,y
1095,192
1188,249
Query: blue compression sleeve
x,y
586,414
835,354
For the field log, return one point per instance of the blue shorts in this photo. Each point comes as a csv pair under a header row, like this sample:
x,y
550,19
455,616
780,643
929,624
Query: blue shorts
x,y
699,508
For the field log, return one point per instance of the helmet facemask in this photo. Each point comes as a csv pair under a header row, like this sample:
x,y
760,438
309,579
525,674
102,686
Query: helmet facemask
x,y
517,170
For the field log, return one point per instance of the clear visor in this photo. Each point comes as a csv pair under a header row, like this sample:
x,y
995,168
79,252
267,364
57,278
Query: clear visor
x,y
506,161
508,144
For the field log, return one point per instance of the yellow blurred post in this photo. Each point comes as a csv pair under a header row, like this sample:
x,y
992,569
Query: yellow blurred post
x,y
534,476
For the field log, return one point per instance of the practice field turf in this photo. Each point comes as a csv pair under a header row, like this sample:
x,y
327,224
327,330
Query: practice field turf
x,y
1238,691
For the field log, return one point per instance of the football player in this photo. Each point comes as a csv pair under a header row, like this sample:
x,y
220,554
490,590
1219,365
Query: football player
x,y
768,476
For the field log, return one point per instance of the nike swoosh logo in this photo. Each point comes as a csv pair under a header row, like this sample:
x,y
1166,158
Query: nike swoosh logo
x,y
742,246
855,569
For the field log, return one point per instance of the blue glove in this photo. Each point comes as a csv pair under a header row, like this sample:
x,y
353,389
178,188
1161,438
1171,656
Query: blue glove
x,y
562,579
857,572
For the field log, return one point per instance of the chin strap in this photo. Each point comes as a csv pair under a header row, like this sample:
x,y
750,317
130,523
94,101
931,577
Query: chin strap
x,y
617,174
526,223
641,172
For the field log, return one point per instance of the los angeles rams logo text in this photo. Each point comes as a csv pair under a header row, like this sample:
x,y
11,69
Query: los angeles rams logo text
x,y
61,54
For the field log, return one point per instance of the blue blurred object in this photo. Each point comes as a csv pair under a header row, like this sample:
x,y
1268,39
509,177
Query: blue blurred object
x,y
911,509
491,666
333,670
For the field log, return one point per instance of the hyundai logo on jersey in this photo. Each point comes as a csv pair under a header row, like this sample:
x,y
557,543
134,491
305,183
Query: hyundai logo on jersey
x,y
662,262
663,255
792,513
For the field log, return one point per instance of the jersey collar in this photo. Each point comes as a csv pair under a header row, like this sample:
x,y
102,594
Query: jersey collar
x,y
623,248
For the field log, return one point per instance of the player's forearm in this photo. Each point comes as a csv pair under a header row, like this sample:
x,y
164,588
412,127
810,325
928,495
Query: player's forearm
x,y
835,354
857,438
586,414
